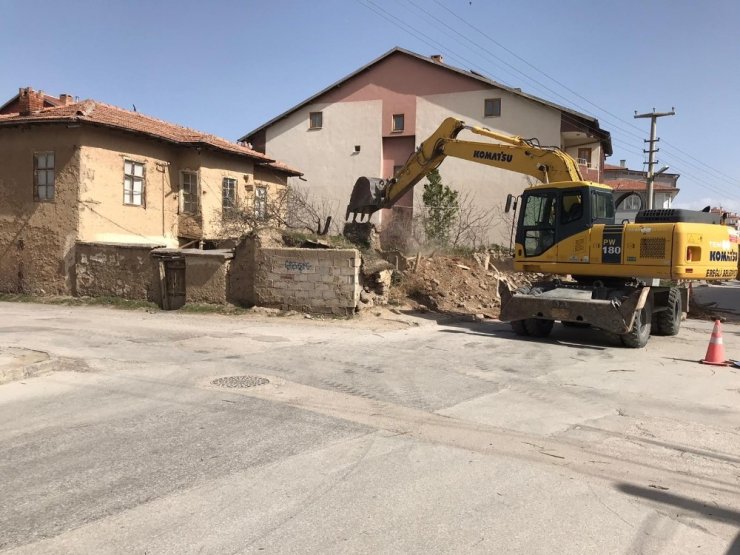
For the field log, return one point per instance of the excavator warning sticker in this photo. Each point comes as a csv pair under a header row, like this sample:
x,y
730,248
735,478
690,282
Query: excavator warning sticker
x,y
611,248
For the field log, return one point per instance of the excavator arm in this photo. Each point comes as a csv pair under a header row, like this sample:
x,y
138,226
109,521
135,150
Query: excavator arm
x,y
525,156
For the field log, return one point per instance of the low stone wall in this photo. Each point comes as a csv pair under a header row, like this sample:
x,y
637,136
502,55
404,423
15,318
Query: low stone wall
x,y
311,280
117,270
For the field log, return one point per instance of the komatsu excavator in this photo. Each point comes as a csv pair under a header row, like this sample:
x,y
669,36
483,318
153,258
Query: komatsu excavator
x,y
626,278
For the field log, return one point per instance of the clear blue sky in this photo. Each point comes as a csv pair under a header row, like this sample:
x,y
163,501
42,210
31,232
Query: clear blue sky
x,y
227,66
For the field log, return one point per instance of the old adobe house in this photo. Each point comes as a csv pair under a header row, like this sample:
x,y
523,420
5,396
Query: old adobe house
x,y
87,172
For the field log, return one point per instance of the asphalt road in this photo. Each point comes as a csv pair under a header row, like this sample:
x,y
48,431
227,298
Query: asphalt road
x,y
391,434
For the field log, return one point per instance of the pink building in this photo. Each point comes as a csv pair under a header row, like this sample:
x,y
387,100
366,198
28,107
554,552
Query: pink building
x,y
370,121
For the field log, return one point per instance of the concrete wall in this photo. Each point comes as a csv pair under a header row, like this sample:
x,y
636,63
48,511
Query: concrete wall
x,y
116,270
328,155
37,237
313,280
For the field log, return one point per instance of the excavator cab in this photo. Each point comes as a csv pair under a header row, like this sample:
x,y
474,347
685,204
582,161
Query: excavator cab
x,y
551,214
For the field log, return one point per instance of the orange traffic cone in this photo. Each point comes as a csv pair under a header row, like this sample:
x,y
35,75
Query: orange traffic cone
x,y
716,350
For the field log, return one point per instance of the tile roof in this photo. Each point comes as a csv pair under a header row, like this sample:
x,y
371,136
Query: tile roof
x,y
98,113
606,139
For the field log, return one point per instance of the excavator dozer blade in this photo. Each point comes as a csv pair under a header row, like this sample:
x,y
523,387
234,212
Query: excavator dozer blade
x,y
572,305
366,197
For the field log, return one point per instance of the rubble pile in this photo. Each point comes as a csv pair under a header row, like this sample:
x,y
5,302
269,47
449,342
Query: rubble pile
x,y
460,285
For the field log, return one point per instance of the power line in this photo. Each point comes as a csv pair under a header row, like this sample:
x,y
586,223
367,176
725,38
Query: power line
x,y
393,19
733,180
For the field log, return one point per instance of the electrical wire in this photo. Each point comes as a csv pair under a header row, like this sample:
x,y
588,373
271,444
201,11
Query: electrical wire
x,y
417,34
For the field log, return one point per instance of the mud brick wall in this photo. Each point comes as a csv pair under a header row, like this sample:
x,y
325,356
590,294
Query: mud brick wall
x,y
206,276
124,271
310,280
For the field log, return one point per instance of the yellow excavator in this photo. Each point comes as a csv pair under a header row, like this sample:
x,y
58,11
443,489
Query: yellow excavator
x,y
626,278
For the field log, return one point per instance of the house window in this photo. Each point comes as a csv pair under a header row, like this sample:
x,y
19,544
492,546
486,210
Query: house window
x,y
260,203
315,120
398,121
632,202
133,183
228,194
492,107
43,176
662,200
189,192
584,157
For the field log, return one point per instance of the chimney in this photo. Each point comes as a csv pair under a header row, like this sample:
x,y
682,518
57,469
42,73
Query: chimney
x,y
623,163
438,58
30,101
66,99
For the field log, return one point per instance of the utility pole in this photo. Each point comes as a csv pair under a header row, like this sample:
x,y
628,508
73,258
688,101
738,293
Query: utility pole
x,y
651,152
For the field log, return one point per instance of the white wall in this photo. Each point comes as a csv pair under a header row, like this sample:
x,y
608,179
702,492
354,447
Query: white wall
x,y
327,156
518,117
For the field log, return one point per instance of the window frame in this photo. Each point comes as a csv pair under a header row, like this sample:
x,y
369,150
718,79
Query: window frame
x,y
196,194
394,127
260,202
134,178
311,124
494,113
37,171
588,159
232,187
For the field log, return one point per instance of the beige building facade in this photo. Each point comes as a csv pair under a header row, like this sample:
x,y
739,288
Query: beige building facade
x,y
368,123
93,173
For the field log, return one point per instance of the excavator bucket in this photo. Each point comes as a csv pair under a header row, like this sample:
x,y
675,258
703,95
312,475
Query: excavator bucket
x,y
366,198
572,305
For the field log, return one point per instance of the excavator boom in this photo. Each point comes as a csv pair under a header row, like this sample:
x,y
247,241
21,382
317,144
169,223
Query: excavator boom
x,y
526,156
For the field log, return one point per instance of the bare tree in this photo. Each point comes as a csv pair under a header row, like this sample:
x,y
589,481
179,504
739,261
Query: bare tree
x,y
290,207
473,222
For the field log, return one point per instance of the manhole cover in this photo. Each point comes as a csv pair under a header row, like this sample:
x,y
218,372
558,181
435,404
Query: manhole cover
x,y
240,381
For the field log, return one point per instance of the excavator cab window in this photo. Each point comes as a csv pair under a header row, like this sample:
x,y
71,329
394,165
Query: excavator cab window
x,y
571,207
538,222
602,207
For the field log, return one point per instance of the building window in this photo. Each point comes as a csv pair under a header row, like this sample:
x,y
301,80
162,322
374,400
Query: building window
x,y
492,107
228,195
260,203
43,176
315,120
584,157
398,122
632,202
133,183
189,192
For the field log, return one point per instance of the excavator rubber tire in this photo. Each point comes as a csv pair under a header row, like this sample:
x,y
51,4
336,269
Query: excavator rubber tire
x,y
519,327
639,335
538,328
668,322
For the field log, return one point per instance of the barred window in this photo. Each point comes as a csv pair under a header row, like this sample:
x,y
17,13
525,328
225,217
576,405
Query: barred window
x,y
315,120
133,183
43,176
228,194
189,199
492,107
260,203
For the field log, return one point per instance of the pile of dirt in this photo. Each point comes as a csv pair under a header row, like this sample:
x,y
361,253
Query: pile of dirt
x,y
457,285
